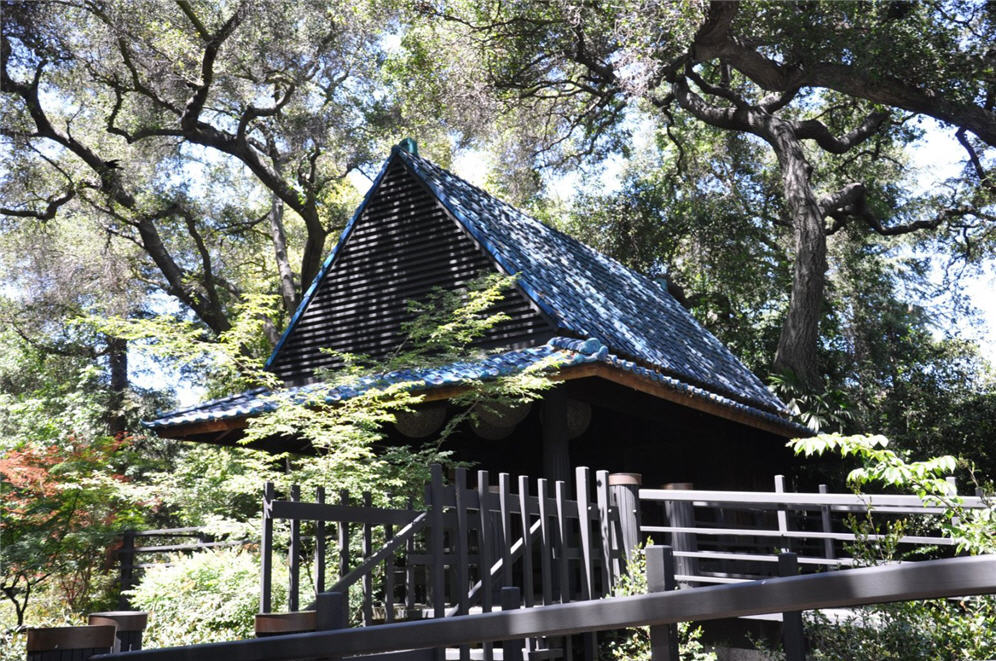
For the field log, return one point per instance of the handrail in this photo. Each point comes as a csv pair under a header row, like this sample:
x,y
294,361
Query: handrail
x,y
814,500
851,587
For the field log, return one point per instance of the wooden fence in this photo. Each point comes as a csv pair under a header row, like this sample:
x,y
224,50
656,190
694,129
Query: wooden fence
x,y
421,640
737,536
457,554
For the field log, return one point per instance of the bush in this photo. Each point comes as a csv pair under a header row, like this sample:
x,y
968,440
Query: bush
x,y
202,598
634,644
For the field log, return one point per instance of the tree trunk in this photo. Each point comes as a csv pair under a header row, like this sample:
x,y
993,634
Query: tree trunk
x,y
279,236
799,339
117,365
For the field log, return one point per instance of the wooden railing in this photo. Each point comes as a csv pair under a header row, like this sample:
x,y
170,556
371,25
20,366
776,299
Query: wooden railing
x,y
659,610
462,549
553,547
736,536
136,546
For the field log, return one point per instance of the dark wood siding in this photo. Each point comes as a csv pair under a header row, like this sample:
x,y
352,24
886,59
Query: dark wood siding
x,y
402,246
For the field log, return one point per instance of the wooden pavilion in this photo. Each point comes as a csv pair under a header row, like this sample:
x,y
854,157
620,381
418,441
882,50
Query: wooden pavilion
x,y
643,386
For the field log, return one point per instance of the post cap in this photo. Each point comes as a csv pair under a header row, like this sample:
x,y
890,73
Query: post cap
x,y
274,623
123,620
45,639
625,479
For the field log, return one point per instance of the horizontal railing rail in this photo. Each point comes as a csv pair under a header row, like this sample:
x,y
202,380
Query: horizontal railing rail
x,y
914,504
722,536
930,579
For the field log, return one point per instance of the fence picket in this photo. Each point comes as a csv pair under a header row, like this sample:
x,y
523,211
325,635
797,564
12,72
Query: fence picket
x,y
562,542
266,551
343,537
367,548
294,555
546,542
388,574
320,544
582,477
527,540
505,543
604,528
462,562
436,541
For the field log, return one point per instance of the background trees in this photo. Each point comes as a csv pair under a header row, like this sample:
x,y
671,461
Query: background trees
x,y
831,89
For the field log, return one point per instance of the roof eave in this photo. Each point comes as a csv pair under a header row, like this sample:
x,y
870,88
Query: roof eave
x,y
742,414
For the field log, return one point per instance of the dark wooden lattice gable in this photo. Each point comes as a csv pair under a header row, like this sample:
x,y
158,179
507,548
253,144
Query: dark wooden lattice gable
x,y
402,245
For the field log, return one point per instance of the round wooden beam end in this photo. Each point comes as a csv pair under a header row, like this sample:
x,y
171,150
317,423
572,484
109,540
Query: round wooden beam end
x,y
123,620
270,624
46,639
625,479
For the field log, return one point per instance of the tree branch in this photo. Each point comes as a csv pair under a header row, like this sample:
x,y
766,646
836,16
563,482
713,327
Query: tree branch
x,y
812,129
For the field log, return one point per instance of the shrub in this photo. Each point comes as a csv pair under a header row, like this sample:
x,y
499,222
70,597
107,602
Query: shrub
x,y
202,598
634,644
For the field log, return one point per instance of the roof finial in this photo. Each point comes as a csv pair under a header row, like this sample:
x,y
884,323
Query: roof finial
x,y
409,145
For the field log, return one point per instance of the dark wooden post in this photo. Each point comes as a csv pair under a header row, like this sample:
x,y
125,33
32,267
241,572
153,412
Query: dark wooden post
x,y
331,612
129,626
76,643
681,514
827,527
511,649
556,448
126,562
266,551
624,495
660,578
792,636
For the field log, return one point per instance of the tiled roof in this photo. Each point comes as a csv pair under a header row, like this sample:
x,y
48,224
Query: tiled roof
x,y
561,351
591,295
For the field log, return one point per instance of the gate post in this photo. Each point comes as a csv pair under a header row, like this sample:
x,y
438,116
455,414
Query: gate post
x,y
660,578
624,495
126,566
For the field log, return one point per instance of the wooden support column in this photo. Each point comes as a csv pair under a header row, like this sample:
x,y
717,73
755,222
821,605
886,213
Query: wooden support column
x,y
556,448
681,514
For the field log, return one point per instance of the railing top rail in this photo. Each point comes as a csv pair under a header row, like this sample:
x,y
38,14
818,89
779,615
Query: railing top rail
x,y
814,500
852,587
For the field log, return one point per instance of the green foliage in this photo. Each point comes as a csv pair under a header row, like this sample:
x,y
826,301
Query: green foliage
x,y
821,412
974,529
204,597
940,630
634,644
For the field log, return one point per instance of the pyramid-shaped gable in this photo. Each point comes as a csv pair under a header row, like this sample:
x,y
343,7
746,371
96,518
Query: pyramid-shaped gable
x,y
399,246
